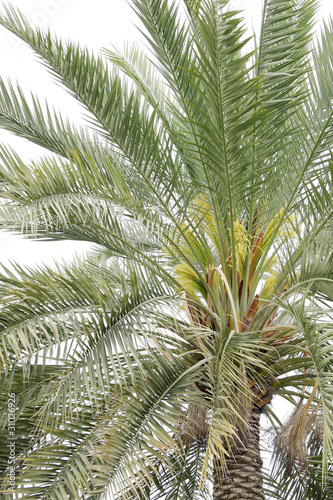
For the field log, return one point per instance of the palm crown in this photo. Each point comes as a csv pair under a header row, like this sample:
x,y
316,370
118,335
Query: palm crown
x,y
204,183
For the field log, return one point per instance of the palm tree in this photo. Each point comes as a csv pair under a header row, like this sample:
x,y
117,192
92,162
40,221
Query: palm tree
x,y
203,182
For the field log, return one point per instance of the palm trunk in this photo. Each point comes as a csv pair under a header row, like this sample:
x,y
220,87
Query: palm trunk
x,y
241,478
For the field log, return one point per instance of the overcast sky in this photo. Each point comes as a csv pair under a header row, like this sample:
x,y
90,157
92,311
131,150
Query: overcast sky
x,y
95,23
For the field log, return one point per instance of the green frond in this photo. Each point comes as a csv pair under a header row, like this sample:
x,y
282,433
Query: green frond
x,y
120,115
284,53
135,64
316,337
38,123
150,429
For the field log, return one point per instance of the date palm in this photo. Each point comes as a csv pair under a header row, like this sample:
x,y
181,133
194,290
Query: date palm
x,y
203,181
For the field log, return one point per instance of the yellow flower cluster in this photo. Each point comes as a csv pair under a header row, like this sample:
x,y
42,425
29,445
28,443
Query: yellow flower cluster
x,y
242,242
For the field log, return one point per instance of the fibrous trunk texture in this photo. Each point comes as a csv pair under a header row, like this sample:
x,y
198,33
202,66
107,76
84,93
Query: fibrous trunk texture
x,y
241,477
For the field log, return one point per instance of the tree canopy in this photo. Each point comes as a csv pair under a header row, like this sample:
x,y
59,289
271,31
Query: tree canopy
x,y
203,181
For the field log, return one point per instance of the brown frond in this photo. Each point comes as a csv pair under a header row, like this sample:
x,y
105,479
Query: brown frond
x,y
292,438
